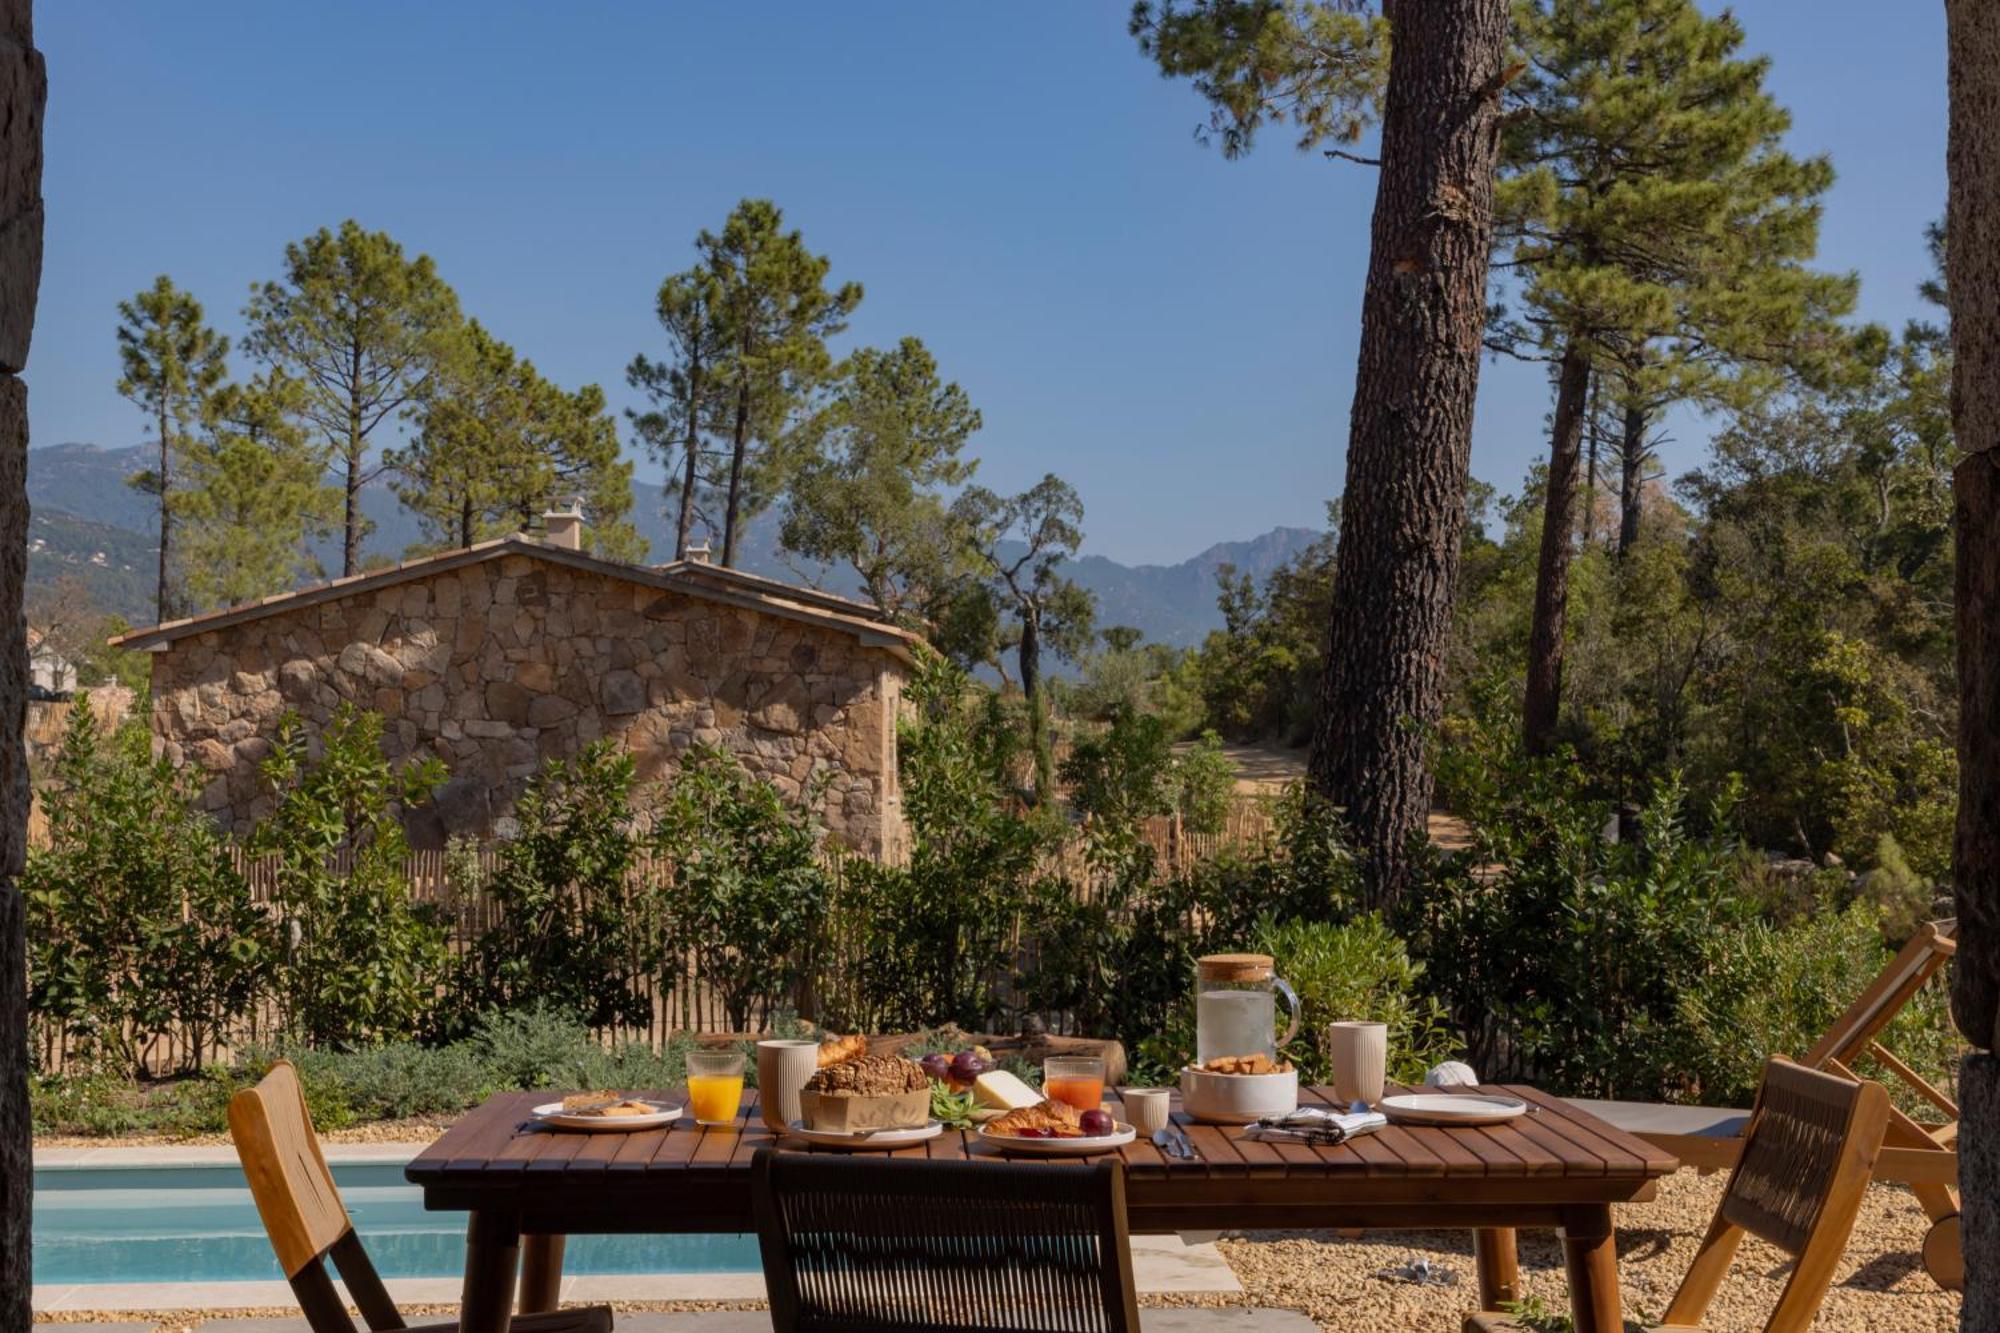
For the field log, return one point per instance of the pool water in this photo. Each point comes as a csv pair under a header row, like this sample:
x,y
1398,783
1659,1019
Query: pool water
x,y
198,1224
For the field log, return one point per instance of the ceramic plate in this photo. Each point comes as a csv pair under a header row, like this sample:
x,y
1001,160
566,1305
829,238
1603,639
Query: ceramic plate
x,y
878,1138
1123,1135
1438,1108
552,1115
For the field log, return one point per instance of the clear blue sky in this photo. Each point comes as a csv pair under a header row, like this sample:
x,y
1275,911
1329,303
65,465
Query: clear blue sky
x,y
1172,332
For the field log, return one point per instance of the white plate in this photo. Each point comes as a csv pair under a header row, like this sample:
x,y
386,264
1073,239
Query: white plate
x,y
1123,1135
874,1138
551,1114
1438,1108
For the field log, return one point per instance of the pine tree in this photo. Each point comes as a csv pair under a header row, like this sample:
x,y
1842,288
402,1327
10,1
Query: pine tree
x,y
1321,66
496,443
1655,227
256,494
883,450
777,314
1022,542
359,326
687,390
173,363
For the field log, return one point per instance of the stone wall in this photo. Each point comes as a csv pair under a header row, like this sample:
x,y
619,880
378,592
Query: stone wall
x,y
494,666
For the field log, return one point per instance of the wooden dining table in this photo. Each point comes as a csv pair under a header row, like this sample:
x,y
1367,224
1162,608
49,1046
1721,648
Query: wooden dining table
x,y
528,1187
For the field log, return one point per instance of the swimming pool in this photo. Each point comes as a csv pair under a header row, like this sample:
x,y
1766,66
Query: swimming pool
x,y
197,1224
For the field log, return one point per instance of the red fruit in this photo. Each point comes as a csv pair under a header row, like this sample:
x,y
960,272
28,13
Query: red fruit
x,y
1096,1124
1033,1133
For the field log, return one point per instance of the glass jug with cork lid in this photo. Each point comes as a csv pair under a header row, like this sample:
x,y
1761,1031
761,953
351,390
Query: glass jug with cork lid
x,y
1236,1006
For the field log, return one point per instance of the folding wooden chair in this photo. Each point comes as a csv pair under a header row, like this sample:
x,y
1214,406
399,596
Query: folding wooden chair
x,y
1922,1154
308,1224
855,1243
1805,1164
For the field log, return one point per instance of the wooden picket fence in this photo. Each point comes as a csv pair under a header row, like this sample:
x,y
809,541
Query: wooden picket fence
x,y
678,998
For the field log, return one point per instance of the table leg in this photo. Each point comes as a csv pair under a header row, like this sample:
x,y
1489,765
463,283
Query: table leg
x,y
541,1273
492,1250
1499,1267
1590,1253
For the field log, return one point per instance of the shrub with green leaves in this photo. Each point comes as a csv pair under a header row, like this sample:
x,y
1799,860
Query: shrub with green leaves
x,y
749,893
358,960
938,931
1358,972
139,925
576,932
1568,958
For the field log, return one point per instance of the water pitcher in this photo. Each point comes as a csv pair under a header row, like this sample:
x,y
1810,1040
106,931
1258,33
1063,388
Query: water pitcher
x,y
1236,1006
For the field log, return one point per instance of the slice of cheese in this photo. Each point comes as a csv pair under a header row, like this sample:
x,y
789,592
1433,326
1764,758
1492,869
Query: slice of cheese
x,y
1003,1092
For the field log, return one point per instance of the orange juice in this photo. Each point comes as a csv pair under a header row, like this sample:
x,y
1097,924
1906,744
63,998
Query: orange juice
x,y
715,1099
1085,1094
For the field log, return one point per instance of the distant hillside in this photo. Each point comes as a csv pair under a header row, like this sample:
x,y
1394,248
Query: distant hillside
x,y
87,521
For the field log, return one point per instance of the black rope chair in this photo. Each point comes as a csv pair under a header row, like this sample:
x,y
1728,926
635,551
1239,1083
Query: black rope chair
x,y
854,1243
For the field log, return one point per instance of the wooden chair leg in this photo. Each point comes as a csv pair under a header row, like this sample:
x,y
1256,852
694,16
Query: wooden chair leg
x,y
541,1273
1499,1264
1590,1254
492,1253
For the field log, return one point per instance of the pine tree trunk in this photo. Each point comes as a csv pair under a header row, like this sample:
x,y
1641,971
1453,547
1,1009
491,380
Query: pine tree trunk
x,y
350,538
23,89
1631,477
1545,635
1593,437
1410,429
1972,259
684,525
739,446
161,600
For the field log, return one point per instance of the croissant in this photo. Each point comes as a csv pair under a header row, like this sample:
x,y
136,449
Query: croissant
x,y
839,1050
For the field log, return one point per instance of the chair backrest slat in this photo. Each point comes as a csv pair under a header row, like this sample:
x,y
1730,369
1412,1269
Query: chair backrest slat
x,y
1875,1008
288,1175
854,1242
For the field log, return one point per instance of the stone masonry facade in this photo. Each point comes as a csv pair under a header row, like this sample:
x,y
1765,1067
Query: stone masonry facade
x,y
497,665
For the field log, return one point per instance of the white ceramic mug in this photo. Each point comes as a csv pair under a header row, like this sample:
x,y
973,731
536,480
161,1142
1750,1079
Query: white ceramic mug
x,y
782,1069
1147,1109
1359,1054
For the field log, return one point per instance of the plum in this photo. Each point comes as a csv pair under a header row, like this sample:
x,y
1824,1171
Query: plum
x,y
937,1065
1096,1124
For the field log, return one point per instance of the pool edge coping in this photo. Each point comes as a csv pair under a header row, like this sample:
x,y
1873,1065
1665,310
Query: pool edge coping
x,y
344,1154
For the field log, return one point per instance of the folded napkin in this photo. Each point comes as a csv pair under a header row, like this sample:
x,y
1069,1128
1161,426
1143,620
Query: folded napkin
x,y
1316,1124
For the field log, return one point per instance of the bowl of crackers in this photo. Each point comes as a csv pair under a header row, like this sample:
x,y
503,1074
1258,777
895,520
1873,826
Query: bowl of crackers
x,y
1239,1089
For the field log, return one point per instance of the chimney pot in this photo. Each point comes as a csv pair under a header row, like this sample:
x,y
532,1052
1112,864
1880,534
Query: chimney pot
x,y
698,552
563,524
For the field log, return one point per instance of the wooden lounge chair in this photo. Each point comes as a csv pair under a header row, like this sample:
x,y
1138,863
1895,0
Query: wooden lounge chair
x,y
956,1247
308,1224
1922,1154
1806,1162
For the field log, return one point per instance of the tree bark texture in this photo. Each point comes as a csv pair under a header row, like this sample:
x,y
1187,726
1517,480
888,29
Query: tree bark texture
x,y
1543,704
1972,281
738,448
1631,477
1410,429
685,523
23,91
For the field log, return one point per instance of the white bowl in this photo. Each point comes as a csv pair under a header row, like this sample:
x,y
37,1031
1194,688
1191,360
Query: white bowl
x,y
1237,1099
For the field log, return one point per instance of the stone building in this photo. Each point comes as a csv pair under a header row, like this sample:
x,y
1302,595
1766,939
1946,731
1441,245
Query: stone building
x,y
499,656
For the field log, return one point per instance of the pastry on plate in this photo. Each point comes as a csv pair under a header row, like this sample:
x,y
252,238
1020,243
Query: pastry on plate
x,y
1045,1120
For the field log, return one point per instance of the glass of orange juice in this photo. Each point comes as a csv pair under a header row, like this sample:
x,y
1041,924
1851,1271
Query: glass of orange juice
x,y
1075,1079
715,1086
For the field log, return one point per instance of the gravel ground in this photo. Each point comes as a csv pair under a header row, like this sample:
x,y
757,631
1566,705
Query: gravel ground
x,y
1881,1286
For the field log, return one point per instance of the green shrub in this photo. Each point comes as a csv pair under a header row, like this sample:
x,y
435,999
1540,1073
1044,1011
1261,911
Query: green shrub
x,y
749,893
139,925
1567,959
575,932
360,961
1358,972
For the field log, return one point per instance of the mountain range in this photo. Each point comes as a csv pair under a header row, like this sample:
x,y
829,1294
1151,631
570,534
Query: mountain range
x,y
87,523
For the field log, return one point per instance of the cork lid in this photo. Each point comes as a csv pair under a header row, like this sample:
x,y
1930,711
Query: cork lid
x,y
1234,967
